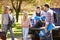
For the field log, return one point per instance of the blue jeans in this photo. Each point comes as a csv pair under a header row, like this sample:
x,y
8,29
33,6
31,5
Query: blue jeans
x,y
6,28
25,33
48,36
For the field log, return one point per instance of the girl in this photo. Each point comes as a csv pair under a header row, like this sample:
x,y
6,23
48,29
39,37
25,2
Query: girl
x,y
25,25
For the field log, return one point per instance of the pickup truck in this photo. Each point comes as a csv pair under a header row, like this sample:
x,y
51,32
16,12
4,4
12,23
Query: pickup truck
x,y
55,32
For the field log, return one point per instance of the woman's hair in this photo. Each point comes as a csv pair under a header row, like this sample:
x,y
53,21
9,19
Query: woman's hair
x,y
11,10
25,16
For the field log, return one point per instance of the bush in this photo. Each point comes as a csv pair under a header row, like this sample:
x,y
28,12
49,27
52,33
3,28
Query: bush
x,y
18,26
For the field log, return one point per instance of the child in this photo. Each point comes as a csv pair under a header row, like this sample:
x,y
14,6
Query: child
x,y
25,26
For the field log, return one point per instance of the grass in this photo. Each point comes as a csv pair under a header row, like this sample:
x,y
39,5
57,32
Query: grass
x,y
17,32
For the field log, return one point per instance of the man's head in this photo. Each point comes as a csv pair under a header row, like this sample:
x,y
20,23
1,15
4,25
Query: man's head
x,y
38,9
46,7
7,9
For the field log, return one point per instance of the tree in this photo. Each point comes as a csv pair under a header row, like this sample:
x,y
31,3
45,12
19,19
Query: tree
x,y
17,7
16,4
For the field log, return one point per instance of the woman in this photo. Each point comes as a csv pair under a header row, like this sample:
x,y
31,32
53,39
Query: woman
x,y
25,25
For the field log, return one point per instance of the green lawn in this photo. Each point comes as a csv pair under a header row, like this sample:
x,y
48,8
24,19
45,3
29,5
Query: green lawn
x,y
17,32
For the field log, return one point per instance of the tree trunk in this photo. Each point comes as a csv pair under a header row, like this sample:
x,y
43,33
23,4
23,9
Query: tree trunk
x,y
17,13
17,16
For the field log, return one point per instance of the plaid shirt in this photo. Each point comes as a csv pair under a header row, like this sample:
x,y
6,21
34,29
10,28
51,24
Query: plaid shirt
x,y
49,16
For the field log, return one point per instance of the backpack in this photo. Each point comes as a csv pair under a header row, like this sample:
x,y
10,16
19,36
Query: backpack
x,y
11,22
55,16
37,14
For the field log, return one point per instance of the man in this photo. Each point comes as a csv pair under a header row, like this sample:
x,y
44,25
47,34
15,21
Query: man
x,y
49,21
6,17
36,15
37,22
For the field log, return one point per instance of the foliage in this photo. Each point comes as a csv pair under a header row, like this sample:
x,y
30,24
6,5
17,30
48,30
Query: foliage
x,y
48,1
0,11
31,1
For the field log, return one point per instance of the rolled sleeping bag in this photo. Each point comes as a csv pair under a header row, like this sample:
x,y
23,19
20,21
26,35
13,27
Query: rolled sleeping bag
x,y
38,20
50,27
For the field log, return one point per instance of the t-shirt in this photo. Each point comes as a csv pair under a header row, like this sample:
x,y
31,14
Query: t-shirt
x,y
5,19
26,23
